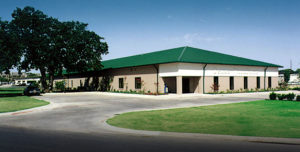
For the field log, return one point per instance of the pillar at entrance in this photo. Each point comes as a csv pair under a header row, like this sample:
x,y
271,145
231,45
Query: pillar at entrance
x,y
179,84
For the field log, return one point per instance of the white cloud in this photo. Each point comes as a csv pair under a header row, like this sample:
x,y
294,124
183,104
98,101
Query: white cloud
x,y
169,16
192,38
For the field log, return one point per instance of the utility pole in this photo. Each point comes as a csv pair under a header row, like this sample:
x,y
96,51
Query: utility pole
x,y
291,64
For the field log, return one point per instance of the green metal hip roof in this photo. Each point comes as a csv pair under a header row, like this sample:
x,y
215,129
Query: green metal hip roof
x,y
182,54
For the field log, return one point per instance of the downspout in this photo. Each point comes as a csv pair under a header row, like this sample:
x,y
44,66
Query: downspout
x,y
265,75
204,78
156,78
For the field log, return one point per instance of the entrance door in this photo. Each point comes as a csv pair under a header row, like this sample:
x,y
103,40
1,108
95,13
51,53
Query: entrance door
x,y
185,85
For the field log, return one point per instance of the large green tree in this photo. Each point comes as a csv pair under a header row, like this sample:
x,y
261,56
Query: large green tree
x,y
298,72
51,46
10,49
286,73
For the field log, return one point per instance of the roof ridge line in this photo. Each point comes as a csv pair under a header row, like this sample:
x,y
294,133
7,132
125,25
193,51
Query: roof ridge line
x,y
180,56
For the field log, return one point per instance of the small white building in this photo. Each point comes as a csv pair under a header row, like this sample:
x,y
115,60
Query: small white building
x,y
294,79
26,81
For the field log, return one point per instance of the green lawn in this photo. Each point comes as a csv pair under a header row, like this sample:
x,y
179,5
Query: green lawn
x,y
257,118
12,91
10,104
16,88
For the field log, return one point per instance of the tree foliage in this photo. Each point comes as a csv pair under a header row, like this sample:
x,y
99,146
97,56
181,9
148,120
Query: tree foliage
x,y
50,45
10,51
286,73
298,72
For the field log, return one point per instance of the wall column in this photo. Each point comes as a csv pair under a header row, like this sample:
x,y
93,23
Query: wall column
x,y
179,84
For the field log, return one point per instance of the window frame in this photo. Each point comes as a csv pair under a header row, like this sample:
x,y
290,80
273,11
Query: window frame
x,y
258,82
245,83
121,85
269,82
138,85
216,80
231,83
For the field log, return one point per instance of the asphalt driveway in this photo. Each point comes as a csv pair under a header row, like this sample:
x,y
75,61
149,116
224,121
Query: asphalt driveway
x,y
76,121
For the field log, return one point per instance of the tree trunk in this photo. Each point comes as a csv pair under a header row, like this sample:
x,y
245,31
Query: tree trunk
x,y
43,80
51,79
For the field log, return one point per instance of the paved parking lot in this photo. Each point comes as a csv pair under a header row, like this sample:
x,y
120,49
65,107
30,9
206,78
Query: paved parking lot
x,y
80,118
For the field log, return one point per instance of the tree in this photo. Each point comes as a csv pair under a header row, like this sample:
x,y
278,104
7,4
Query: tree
x,y
286,74
9,48
298,72
51,46
3,79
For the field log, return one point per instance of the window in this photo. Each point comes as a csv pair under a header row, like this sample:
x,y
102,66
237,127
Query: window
x,y
269,82
258,82
216,84
121,83
216,80
71,83
138,83
245,82
231,83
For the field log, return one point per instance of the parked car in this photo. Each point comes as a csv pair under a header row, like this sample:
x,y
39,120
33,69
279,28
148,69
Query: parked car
x,y
32,91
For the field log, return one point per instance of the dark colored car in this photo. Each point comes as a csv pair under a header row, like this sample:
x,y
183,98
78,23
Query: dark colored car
x,y
32,91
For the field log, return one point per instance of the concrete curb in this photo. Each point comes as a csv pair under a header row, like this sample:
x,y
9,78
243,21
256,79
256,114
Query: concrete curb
x,y
174,96
49,106
272,140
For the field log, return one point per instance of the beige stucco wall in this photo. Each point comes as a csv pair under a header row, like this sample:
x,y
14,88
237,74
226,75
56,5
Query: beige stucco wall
x,y
147,74
275,82
208,82
238,83
76,82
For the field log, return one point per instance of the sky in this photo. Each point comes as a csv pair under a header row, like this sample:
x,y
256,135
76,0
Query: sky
x,y
265,30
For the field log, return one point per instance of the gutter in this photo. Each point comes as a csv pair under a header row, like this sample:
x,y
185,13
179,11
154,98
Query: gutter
x,y
265,75
204,78
156,78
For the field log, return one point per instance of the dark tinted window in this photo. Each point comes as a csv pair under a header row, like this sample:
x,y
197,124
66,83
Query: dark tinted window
x,y
231,83
258,82
121,83
138,83
245,82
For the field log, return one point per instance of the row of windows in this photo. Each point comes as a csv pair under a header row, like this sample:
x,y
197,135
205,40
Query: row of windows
x,y
231,82
137,82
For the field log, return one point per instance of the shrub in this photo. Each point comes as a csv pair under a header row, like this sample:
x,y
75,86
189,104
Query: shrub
x,y
296,88
60,85
281,96
290,96
298,98
272,96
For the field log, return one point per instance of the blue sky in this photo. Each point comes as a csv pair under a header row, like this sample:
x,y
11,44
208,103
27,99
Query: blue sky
x,y
266,30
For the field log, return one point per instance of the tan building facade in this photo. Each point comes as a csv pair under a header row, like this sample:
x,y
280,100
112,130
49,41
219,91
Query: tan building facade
x,y
145,78
182,70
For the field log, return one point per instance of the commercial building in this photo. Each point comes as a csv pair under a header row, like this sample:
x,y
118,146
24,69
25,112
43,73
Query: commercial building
x,y
26,81
181,70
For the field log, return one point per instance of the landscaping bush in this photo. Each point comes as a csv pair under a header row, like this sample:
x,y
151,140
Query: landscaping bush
x,y
298,98
272,96
296,88
60,85
290,96
281,96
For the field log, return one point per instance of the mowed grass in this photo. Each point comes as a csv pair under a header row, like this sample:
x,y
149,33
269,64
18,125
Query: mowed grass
x,y
10,104
21,88
257,118
11,91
